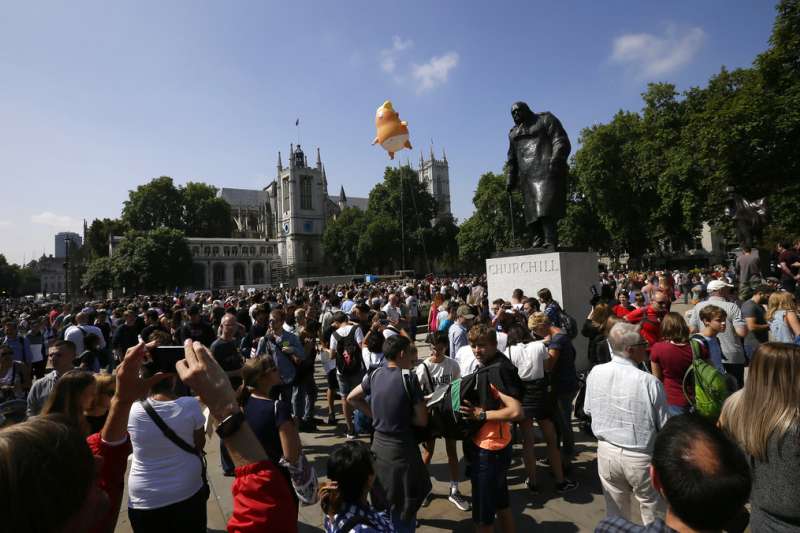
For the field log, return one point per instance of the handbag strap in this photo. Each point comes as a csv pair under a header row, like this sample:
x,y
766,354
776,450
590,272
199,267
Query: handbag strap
x,y
172,436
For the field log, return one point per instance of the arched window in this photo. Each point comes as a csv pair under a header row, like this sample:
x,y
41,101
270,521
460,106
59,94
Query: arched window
x,y
207,251
238,274
252,250
258,273
216,250
219,275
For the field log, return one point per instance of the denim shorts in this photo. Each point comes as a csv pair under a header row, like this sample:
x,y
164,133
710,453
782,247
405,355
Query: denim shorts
x,y
489,477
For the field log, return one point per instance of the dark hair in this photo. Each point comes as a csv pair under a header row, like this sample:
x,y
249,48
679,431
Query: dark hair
x,y
394,345
252,370
440,337
704,475
60,344
339,317
545,295
518,334
375,342
66,398
350,466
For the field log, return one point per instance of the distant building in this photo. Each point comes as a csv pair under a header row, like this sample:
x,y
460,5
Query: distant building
x,y
435,174
61,242
278,230
51,274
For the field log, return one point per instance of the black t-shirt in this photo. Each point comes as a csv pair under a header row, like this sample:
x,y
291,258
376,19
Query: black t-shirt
x,y
243,318
789,257
389,401
125,337
228,357
501,373
202,331
566,378
148,330
260,415
750,309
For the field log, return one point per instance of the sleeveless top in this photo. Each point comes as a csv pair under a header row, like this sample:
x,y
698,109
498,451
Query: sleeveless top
x,y
779,330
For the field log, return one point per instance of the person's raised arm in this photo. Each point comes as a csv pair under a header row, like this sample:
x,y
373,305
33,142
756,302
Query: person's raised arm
x,y
290,441
130,388
551,361
201,372
793,322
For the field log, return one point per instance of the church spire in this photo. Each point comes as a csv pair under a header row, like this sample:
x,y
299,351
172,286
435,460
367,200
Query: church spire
x,y
319,160
444,155
280,164
324,181
421,160
342,197
432,158
291,155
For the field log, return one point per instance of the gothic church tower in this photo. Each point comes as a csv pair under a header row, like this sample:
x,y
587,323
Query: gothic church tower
x,y
435,174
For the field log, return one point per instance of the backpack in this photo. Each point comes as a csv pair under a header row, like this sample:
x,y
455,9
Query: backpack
x,y
444,418
705,387
568,324
348,353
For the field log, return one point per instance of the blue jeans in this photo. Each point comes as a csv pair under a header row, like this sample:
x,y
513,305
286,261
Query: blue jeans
x,y
304,393
404,526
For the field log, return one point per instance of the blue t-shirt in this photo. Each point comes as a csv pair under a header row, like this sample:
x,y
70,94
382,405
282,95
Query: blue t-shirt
x,y
390,404
566,378
261,415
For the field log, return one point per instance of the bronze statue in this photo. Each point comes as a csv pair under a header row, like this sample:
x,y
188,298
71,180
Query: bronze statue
x,y
749,217
537,164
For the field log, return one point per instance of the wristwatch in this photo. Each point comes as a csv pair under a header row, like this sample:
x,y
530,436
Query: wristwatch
x,y
482,415
230,425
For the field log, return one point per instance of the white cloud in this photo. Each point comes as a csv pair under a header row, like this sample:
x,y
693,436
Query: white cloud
x,y
648,55
47,218
434,73
389,55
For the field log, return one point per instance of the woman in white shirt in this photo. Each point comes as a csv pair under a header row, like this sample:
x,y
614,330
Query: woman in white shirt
x,y
537,403
165,485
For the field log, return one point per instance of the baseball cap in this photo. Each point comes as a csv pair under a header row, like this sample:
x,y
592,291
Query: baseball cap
x,y
465,311
717,285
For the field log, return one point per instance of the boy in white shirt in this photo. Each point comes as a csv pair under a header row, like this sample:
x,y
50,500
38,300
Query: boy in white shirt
x,y
436,371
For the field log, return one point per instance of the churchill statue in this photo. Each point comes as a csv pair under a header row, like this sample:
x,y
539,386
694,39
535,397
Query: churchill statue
x,y
537,164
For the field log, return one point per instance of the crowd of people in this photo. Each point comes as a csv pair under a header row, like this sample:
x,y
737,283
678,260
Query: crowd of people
x,y
696,415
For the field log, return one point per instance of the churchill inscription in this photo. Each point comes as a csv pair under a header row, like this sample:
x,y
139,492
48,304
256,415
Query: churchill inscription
x,y
523,266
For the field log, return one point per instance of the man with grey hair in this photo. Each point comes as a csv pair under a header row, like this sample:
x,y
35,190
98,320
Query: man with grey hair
x,y
628,407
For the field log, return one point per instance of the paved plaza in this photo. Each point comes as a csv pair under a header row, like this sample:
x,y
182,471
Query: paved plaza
x,y
579,510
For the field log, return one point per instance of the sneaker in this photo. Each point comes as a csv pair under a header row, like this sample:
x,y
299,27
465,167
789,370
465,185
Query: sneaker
x,y
532,486
566,486
457,499
351,436
427,501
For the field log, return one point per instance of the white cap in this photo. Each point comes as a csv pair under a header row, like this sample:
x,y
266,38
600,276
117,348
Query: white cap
x,y
717,284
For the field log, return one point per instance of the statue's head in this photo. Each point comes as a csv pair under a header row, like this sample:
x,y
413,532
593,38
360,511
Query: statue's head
x,y
521,113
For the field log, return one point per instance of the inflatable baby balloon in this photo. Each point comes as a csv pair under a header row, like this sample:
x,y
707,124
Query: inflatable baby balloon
x,y
392,132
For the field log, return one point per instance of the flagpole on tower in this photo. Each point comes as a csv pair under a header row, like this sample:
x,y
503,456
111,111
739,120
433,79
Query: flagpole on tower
x,y
297,125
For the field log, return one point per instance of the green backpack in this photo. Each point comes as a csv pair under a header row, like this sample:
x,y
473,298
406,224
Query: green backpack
x,y
705,387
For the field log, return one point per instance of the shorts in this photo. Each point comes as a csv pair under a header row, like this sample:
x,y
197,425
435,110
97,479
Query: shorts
x,y
489,477
348,383
333,383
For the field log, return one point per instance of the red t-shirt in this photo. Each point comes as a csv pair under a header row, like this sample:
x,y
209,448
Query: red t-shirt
x,y
674,360
262,501
651,328
622,311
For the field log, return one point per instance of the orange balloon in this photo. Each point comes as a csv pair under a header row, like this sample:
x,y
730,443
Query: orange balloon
x,y
392,132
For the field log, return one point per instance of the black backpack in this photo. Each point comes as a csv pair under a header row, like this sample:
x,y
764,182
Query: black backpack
x,y
349,361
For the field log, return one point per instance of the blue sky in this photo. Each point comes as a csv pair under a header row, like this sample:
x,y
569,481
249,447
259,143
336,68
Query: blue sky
x,y
99,97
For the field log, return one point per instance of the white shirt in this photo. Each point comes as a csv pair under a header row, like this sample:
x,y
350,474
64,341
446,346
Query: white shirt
x,y
161,473
529,359
343,332
328,362
392,313
440,373
372,358
413,307
628,406
75,335
467,363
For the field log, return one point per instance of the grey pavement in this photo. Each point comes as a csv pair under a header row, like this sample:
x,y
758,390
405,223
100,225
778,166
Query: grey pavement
x,y
579,510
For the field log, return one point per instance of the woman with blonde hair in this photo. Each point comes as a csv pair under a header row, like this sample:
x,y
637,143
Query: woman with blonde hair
x,y
96,414
71,397
764,418
784,326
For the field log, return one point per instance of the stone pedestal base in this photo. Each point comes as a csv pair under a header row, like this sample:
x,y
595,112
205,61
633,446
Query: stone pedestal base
x,y
568,275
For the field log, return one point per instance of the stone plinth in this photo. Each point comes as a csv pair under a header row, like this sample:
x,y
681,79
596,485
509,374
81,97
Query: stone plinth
x,y
568,275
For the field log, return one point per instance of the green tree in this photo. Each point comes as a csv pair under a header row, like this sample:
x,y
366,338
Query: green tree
x,y
100,275
491,227
204,213
341,238
402,199
159,259
157,204
98,234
